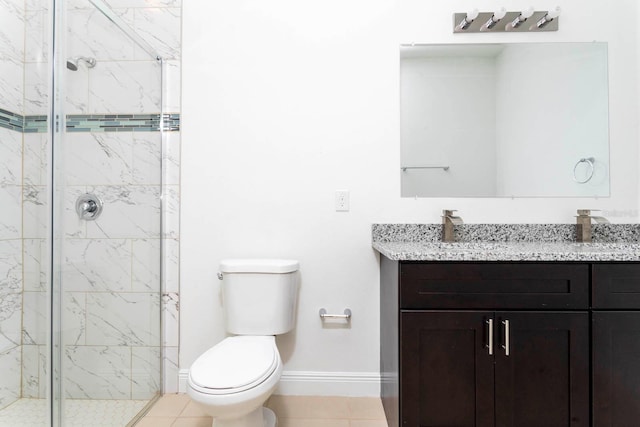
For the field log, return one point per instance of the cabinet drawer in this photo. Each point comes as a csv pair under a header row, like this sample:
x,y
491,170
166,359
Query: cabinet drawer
x,y
616,286
494,285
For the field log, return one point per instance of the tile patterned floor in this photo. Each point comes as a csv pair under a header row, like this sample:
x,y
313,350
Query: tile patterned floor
x,y
78,413
176,410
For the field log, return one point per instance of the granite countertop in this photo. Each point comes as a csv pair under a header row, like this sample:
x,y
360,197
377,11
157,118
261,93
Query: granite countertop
x,y
514,251
495,242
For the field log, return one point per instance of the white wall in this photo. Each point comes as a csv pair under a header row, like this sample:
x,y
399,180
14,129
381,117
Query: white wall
x,y
285,102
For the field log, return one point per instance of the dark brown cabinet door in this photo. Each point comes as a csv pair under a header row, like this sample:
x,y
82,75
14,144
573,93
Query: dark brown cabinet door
x,y
616,369
616,286
537,376
542,369
446,372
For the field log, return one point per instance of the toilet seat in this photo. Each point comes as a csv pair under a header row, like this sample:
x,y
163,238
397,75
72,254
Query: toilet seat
x,y
234,365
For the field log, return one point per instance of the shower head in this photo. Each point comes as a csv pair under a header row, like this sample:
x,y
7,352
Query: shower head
x,y
72,63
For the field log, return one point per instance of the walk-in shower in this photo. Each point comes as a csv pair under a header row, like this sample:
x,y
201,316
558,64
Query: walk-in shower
x,y
80,215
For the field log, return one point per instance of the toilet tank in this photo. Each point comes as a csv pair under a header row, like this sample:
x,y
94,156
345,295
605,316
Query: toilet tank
x,y
259,295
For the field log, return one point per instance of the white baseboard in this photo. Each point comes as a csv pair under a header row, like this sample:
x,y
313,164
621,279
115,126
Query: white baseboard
x,y
183,375
311,383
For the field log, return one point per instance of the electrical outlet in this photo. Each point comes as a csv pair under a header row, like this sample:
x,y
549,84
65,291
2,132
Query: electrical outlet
x,y
342,200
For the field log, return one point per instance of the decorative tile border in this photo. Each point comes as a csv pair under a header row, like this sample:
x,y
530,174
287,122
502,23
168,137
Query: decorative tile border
x,y
122,122
35,124
93,122
9,120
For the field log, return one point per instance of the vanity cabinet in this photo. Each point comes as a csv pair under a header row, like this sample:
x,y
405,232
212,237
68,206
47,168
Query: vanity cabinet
x,y
616,368
509,344
531,371
616,345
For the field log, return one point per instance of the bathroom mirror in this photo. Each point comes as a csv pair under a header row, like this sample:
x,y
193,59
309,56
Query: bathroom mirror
x,y
504,120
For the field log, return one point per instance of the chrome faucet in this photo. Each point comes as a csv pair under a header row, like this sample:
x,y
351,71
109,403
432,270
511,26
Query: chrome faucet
x,y
583,224
448,221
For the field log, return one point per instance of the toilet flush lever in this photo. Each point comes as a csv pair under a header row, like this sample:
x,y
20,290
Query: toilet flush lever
x,y
220,276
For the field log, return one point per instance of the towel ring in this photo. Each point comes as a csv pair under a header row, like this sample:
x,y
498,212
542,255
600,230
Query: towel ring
x,y
589,161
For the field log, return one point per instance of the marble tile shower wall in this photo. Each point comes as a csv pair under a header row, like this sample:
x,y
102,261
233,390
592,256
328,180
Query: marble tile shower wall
x,y
12,25
112,302
34,204
10,264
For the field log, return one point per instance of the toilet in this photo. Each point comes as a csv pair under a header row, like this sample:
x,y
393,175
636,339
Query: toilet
x,y
232,380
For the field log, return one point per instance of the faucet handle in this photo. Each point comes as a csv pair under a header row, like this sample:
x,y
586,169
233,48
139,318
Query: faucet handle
x,y
447,216
587,212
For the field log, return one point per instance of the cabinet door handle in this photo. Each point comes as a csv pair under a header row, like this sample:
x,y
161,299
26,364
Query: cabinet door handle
x,y
490,335
506,344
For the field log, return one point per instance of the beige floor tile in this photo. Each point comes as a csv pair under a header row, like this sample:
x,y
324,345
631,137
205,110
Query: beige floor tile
x,y
366,408
192,422
156,422
169,405
303,422
177,410
368,423
193,410
309,407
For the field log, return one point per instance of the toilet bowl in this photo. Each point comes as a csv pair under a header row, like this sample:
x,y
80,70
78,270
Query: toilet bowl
x,y
232,380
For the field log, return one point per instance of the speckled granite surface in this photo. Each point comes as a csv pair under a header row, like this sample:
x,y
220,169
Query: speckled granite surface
x,y
508,242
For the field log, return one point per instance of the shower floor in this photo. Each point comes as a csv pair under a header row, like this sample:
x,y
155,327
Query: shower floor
x,y
77,413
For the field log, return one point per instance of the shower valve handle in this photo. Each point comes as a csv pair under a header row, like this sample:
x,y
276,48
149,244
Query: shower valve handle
x,y
89,206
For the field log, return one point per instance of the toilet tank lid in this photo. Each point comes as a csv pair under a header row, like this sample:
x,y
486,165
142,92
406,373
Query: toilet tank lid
x,y
262,265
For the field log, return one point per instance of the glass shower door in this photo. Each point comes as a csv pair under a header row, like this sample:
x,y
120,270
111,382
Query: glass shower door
x,y
107,175
80,126
24,225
